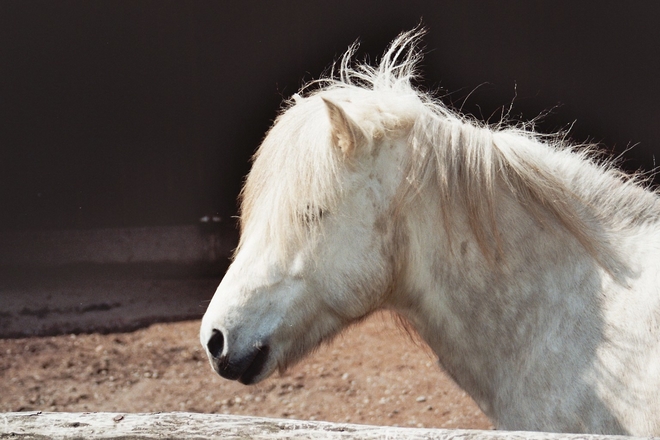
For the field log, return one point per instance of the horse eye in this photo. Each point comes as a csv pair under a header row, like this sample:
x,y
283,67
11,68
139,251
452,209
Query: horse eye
x,y
313,214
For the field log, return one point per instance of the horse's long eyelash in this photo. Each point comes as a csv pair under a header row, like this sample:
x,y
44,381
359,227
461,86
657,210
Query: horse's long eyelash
x,y
313,214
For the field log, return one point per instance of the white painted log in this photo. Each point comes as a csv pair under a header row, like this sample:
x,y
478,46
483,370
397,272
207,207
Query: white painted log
x,y
188,426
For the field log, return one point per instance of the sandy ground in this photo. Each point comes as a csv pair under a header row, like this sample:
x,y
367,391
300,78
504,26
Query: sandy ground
x,y
373,373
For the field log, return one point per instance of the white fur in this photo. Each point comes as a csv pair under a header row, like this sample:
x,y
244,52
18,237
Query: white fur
x,y
530,268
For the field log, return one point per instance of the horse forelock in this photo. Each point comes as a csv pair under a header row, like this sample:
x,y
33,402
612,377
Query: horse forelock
x,y
293,177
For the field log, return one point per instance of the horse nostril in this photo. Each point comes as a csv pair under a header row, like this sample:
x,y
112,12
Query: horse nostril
x,y
216,344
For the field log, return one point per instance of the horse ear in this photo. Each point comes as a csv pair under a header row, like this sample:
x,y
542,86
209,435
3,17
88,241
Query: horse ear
x,y
346,134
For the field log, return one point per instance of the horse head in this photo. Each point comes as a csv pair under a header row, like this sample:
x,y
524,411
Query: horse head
x,y
317,234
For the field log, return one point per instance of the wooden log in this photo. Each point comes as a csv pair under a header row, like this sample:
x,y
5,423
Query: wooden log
x,y
189,426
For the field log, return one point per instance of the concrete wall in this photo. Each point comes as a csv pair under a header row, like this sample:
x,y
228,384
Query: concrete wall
x,y
185,244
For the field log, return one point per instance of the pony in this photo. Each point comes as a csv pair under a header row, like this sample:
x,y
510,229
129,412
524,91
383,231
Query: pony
x,y
529,265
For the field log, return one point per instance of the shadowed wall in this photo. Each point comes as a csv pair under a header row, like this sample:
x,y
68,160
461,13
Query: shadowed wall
x,y
123,113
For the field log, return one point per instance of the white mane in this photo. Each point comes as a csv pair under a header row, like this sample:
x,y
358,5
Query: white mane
x,y
463,159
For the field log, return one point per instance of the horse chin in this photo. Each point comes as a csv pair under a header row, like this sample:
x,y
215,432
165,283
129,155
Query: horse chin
x,y
266,362
257,370
313,339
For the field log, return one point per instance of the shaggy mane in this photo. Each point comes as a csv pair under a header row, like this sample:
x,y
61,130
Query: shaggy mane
x,y
296,171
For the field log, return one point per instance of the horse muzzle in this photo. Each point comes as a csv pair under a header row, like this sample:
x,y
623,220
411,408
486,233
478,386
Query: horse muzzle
x,y
245,367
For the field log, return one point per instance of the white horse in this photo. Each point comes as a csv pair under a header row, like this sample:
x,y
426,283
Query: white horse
x,y
530,268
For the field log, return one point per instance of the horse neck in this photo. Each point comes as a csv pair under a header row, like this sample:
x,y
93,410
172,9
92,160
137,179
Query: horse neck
x,y
475,312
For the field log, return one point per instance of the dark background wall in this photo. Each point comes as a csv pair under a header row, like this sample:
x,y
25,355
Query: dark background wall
x,y
143,113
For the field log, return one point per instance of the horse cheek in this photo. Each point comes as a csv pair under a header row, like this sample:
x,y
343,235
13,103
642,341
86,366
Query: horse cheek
x,y
363,281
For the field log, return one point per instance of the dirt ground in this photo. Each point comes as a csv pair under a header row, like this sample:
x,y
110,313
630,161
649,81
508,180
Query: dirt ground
x,y
373,373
